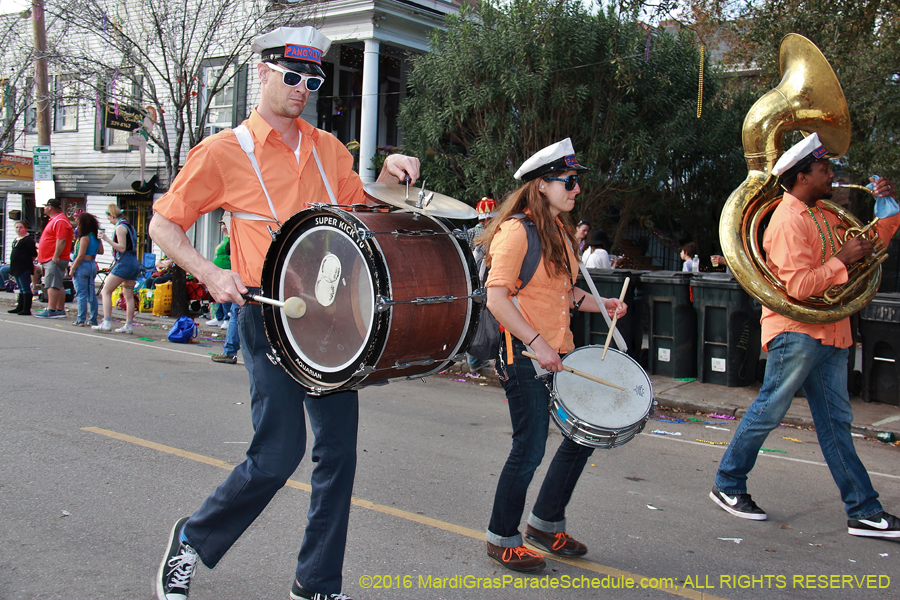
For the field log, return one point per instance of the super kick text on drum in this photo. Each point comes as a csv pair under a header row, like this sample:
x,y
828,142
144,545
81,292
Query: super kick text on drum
x,y
388,296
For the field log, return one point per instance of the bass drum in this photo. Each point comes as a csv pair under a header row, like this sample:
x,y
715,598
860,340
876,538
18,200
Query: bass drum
x,y
388,296
596,415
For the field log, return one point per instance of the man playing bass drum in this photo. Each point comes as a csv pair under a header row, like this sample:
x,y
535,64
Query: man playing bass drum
x,y
803,251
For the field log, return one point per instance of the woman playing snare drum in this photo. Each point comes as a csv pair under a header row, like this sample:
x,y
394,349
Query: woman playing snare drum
x,y
541,322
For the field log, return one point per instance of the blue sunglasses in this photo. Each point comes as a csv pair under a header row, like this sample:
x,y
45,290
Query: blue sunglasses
x,y
570,181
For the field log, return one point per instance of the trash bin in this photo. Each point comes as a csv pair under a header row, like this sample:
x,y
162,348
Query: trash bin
x,y
673,323
590,328
728,333
879,326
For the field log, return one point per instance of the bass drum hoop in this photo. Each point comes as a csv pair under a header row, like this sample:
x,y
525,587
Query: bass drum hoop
x,y
279,337
591,435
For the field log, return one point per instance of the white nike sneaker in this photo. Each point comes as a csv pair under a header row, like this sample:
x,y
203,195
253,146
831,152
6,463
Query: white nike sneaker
x,y
740,505
881,526
126,328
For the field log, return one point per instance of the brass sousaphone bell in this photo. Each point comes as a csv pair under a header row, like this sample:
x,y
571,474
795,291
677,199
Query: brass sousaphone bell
x,y
809,98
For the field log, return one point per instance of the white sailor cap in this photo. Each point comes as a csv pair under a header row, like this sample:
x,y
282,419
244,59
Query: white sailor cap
x,y
296,48
800,155
555,157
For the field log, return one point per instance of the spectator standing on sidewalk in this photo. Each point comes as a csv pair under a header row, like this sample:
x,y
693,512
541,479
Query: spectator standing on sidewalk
x,y
83,269
54,249
124,272
21,267
232,339
222,259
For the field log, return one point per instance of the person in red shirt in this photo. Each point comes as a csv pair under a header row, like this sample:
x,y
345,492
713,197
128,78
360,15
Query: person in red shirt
x,y
804,251
54,249
298,164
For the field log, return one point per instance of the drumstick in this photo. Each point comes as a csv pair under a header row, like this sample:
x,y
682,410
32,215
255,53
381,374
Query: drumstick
x,y
612,326
580,373
293,307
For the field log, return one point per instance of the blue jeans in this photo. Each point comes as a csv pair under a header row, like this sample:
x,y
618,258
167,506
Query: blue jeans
x,y
85,292
223,311
796,359
23,282
232,336
278,445
529,412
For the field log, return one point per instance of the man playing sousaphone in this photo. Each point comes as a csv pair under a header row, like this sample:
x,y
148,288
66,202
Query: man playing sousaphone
x,y
804,251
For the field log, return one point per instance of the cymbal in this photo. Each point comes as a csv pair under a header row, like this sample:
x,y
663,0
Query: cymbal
x,y
434,204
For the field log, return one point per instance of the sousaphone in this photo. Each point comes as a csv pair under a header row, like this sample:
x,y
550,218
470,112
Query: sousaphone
x,y
809,98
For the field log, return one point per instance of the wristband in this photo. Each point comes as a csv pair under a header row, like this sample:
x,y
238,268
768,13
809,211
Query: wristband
x,y
536,336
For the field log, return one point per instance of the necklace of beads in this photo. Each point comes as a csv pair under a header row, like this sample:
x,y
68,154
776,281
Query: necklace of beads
x,y
821,233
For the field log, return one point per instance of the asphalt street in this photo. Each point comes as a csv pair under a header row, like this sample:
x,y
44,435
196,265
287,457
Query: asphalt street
x,y
108,439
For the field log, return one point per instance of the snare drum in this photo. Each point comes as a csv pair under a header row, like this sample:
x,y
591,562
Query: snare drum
x,y
388,296
596,415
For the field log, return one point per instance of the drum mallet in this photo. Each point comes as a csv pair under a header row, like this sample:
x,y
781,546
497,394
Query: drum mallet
x,y
612,326
293,307
580,373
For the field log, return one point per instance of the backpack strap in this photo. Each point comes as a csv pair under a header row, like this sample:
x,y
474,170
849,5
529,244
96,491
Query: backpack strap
x,y
532,254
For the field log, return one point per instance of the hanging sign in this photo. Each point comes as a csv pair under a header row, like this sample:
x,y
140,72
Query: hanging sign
x,y
15,167
126,118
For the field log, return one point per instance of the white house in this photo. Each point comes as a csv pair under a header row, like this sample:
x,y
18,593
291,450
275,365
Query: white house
x,y
93,164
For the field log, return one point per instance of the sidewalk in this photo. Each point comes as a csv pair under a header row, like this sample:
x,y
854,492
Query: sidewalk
x,y
869,418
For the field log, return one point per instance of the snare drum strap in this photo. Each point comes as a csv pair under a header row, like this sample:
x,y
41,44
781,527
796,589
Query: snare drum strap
x,y
620,341
246,140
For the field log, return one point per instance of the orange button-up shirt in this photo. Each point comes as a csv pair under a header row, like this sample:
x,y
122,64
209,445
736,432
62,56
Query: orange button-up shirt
x,y
793,245
218,174
545,301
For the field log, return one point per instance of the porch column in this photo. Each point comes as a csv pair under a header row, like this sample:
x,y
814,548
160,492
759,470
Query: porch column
x,y
368,134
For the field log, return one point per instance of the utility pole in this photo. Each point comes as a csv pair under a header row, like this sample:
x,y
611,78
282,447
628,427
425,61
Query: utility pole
x,y
41,80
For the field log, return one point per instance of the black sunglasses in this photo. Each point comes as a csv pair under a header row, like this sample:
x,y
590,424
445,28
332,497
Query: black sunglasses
x,y
570,181
293,78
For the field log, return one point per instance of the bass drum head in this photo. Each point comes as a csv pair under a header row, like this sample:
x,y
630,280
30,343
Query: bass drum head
x,y
598,404
319,258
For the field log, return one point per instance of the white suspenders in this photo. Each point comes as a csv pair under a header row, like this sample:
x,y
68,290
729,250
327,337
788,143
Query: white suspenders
x,y
246,140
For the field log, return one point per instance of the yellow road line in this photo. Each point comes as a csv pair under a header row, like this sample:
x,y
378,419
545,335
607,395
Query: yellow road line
x,y
580,563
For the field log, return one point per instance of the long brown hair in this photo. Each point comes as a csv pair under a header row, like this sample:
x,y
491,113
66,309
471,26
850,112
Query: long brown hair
x,y
553,246
87,224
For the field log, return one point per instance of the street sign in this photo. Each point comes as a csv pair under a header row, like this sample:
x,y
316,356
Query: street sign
x,y
42,168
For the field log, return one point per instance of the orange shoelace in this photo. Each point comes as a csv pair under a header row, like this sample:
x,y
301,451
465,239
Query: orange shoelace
x,y
561,539
520,552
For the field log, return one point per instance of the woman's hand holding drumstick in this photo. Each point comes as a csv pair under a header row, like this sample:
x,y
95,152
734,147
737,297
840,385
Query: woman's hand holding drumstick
x,y
579,373
612,326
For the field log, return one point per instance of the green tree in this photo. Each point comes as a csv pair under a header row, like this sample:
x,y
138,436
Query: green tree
x,y
861,41
508,79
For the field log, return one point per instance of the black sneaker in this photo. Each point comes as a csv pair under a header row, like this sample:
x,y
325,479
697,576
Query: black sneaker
x,y
740,505
173,581
883,526
298,592
224,358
